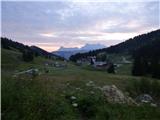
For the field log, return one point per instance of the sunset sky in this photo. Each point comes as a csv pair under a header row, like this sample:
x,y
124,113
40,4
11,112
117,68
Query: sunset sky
x,y
52,24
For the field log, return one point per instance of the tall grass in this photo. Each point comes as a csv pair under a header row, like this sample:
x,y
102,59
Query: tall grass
x,y
144,86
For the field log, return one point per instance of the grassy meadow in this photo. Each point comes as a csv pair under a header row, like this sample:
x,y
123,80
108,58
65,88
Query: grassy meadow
x,y
48,96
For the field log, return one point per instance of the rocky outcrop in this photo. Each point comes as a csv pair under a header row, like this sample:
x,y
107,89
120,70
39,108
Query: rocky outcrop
x,y
114,95
144,98
30,73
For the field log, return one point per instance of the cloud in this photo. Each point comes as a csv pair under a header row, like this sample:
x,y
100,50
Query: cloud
x,y
76,23
48,35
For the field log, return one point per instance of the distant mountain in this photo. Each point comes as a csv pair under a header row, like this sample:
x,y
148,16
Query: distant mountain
x,y
127,47
92,47
68,49
67,52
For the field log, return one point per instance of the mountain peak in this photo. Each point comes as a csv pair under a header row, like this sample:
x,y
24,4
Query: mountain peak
x,y
68,49
92,46
87,46
67,52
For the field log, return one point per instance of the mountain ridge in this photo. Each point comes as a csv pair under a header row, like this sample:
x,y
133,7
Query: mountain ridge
x,y
127,47
85,47
67,52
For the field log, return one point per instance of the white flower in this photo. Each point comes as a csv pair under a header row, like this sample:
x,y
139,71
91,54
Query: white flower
x,y
68,84
74,104
92,92
90,83
78,88
73,97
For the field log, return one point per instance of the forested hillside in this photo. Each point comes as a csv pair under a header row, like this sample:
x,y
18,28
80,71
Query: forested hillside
x,y
127,47
28,52
147,60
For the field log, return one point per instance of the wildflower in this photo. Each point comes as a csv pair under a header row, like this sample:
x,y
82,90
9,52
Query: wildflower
x,y
92,92
75,105
73,97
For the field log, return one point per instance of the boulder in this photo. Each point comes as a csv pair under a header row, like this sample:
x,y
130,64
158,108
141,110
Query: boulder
x,y
33,72
114,95
144,98
30,72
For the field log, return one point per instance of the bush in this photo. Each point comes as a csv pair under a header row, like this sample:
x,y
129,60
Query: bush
x,y
87,107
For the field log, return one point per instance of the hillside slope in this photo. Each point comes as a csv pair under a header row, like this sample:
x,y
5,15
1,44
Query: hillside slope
x,y
9,44
127,47
48,96
147,60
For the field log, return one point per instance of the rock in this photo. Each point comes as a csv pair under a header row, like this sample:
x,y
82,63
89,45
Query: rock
x,y
144,98
30,72
34,72
114,95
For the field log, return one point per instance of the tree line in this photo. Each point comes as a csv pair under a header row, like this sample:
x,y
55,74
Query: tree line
x,y
147,60
126,47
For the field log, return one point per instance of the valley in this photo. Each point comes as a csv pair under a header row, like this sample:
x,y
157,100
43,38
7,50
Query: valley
x,y
80,60
48,95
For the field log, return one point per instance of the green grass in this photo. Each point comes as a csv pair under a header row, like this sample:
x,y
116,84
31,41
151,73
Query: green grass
x,y
124,69
47,96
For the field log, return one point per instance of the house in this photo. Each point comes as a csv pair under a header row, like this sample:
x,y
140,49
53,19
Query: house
x,y
83,61
98,64
48,63
60,65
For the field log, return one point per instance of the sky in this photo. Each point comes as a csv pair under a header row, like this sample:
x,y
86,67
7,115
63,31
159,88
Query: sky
x,y
69,23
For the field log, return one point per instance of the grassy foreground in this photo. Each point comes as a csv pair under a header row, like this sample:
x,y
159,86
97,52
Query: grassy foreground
x,y
48,96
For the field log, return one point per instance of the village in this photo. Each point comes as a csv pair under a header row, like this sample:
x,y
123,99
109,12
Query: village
x,y
106,64
111,92
91,61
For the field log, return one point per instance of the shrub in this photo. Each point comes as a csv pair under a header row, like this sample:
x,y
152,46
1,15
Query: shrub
x,y
87,107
